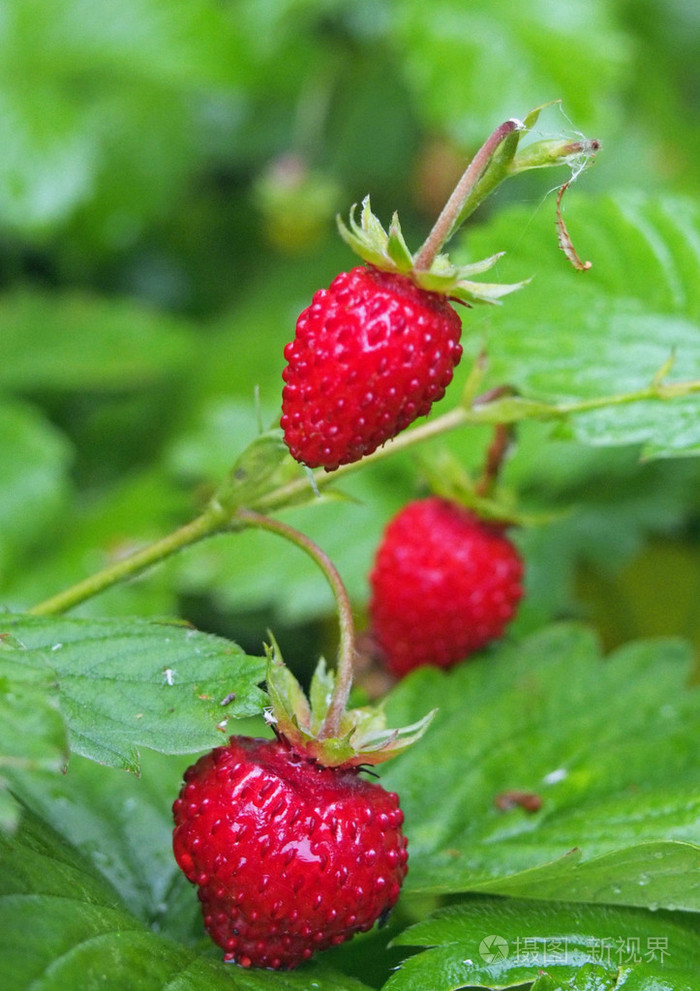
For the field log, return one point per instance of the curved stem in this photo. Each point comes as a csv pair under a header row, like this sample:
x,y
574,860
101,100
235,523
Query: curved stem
x,y
215,520
346,649
452,212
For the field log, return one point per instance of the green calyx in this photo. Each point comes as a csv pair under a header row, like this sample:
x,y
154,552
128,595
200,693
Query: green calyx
x,y
362,737
388,251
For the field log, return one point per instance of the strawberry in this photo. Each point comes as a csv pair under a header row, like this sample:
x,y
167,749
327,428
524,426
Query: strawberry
x,y
376,349
291,849
444,584
371,354
289,856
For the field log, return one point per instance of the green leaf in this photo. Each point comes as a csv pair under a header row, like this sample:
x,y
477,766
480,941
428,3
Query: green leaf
x,y
590,977
44,139
32,731
130,683
63,926
613,513
264,466
607,746
664,870
579,336
499,943
122,824
70,341
157,41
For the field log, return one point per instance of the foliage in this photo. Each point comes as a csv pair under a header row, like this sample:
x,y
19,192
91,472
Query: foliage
x,y
168,186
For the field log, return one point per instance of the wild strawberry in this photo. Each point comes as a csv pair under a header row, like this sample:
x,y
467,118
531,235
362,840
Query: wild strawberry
x,y
290,857
444,584
376,349
371,354
291,849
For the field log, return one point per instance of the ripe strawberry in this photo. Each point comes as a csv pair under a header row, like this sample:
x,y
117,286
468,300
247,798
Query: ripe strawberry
x,y
376,349
444,584
290,857
371,354
292,851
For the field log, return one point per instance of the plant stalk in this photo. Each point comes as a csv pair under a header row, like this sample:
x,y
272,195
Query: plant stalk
x,y
495,457
453,212
214,520
494,406
210,522
346,648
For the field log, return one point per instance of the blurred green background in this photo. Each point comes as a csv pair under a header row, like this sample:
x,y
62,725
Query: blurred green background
x,y
169,178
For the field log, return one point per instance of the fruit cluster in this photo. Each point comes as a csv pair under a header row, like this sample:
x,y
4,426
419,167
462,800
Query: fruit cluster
x,y
291,849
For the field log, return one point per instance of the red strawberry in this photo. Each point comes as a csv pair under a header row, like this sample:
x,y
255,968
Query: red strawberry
x,y
290,857
444,584
377,348
293,851
371,354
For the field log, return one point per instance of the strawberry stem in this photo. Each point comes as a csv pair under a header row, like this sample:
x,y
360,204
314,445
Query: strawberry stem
x,y
497,160
495,456
463,200
346,648
207,524
495,406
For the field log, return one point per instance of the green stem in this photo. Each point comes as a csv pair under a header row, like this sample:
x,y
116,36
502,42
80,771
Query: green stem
x,y
209,523
320,478
497,160
454,210
492,407
346,649
512,409
215,520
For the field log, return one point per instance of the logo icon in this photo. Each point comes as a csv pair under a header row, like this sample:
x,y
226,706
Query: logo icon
x,y
493,948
